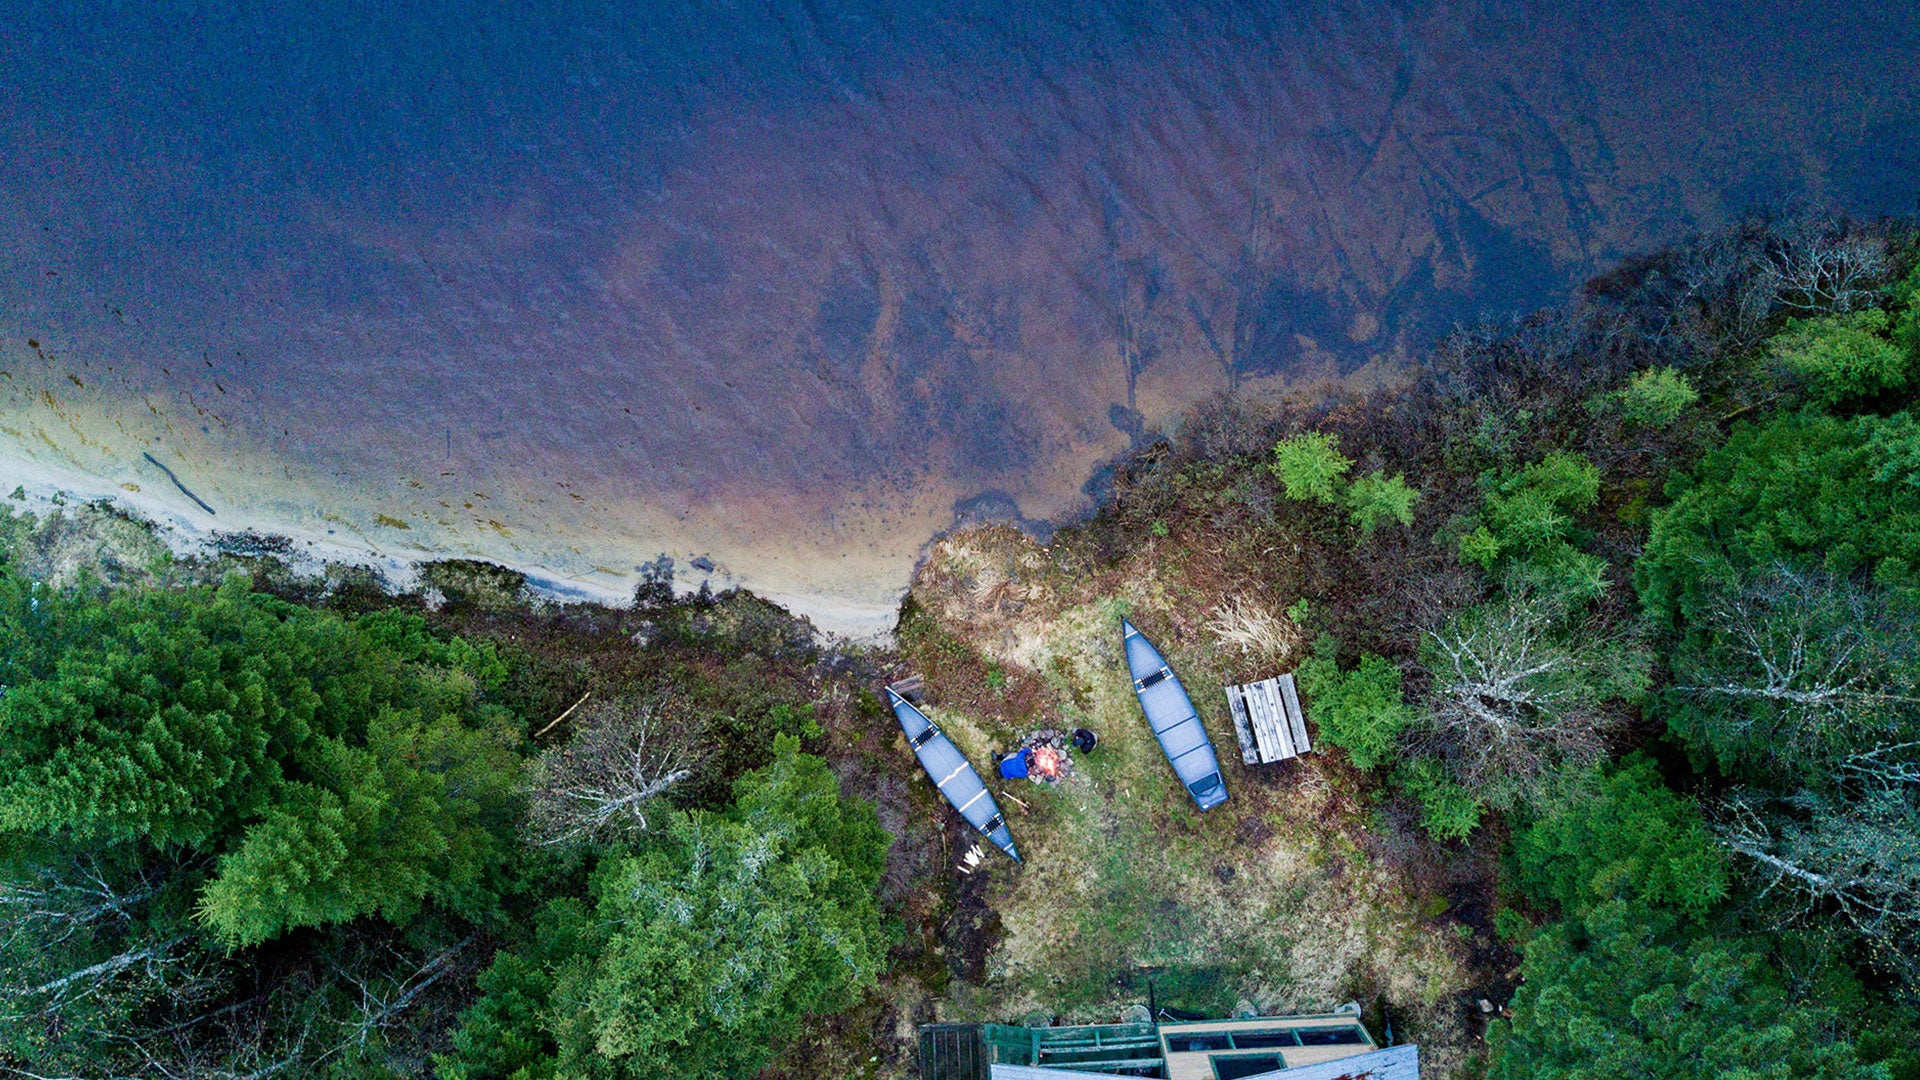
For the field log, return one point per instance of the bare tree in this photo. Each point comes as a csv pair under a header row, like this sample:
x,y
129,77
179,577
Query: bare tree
x,y
1856,859
1517,695
602,785
1806,263
1807,680
1819,266
58,919
1806,672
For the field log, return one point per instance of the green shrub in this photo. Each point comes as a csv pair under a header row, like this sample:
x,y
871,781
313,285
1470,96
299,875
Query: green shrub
x,y
1310,466
1843,357
1448,810
1360,711
1656,397
1481,548
1376,498
1527,522
1567,480
1564,573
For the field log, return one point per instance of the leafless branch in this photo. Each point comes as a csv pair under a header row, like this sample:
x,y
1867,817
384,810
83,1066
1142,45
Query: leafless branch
x,y
1858,860
1817,271
602,784
1516,696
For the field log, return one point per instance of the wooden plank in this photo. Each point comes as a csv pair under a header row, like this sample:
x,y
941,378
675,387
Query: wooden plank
x,y
1277,721
1296,719
1262,721
1237,705
1260,714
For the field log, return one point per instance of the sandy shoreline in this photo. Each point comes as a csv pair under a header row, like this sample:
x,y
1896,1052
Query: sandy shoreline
x,y
42,487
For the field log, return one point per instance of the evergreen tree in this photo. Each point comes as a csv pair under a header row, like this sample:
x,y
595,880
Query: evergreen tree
x,y
1619,994
187,771
706,946
1633,839
1360,711
1377,498
1310,466
1804,490
1843,358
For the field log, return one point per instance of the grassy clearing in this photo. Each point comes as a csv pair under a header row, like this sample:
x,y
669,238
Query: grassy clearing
x,y
1276,897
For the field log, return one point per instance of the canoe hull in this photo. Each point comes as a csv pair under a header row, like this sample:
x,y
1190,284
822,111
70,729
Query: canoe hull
x,y
952,773
1175,722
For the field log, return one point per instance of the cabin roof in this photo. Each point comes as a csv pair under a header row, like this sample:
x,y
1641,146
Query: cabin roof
x,y
1326,1046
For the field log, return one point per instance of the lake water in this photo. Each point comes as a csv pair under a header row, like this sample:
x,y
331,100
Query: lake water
x,y
791,285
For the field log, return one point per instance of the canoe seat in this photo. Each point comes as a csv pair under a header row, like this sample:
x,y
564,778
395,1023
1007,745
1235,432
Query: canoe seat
x,y
1205,786
924,737
993,823
1155,678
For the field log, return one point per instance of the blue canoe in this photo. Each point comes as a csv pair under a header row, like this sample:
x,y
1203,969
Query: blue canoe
x,y
1175,723
952,773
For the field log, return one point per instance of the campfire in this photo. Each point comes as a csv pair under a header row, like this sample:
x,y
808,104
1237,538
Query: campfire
x,y
1045,756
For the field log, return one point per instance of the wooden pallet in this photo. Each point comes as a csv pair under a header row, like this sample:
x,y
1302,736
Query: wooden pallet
x,y
1268,720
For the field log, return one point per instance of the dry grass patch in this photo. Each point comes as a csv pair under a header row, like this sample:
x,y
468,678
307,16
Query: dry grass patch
x,y
1270,897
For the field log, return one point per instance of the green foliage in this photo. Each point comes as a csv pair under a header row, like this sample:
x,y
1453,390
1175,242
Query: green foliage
x,y
505,1033
501,1035
419,814
1803,489
1360,711
799,720
153,715
1893,445
1448,810
1843,357
1480,547
1377,498
335,768
1619,995
1634,840
1656,397
707,946
1527,522
1568,481
1310,466
1905,293
1906,325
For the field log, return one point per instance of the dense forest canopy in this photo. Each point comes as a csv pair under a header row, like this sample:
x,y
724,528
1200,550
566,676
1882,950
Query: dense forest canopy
x,y
1610,610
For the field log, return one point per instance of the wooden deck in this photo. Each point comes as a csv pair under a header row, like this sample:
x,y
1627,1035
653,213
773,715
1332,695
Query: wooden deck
x,y
1268,720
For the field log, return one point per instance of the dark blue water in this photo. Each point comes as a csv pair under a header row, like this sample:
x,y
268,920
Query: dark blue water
x,y
787,281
